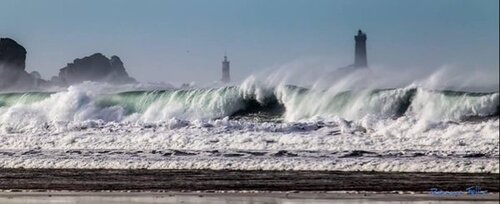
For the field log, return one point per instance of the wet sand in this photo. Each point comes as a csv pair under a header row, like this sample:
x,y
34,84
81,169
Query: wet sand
x,y
235,197
233,180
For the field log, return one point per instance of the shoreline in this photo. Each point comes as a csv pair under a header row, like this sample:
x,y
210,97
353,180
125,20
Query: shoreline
x,y
234,180
249,195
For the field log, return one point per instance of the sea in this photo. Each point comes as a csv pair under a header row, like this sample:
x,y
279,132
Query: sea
x,y
251,126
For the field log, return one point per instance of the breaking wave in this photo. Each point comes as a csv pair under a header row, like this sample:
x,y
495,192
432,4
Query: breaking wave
x,y
288,127
282,103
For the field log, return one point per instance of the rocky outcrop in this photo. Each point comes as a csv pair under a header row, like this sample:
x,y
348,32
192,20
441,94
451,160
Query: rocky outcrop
x,y
12,54
96,67
13,75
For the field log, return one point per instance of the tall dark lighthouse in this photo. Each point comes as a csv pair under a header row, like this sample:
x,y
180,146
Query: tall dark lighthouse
x,y
225,71
360,50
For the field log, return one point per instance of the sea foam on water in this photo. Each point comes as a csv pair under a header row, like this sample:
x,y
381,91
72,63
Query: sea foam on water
x,y
252,126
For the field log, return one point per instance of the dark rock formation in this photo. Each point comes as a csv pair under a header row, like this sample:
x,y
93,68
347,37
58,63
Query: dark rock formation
x,y
96,67
13,75
12,54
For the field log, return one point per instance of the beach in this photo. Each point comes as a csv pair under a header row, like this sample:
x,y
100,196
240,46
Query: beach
x,y
237,197
236,180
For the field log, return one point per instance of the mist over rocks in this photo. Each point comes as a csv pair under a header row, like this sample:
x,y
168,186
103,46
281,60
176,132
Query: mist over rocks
x,y
96,67
13,75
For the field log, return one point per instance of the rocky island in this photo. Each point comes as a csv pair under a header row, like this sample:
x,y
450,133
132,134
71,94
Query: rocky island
x,y
13,73
96,67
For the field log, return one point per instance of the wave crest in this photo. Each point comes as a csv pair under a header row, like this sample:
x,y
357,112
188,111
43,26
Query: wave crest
x,y
250,100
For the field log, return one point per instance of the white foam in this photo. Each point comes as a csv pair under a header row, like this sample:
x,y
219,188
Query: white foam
x,y
436,106
198,121
392,135
359,164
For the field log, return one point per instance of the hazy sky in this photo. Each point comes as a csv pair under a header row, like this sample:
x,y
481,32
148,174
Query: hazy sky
x,y
184,41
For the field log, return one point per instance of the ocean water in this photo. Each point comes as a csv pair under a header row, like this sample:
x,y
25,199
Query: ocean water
x,y
252,126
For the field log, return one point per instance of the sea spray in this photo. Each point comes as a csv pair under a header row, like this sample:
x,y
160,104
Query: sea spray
x,y
252,126
290,103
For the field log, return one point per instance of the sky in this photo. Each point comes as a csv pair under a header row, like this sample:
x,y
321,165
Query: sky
x,y
185,40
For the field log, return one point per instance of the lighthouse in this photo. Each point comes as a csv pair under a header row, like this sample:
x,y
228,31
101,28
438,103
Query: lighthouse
x,y
225,71
360,50
360,61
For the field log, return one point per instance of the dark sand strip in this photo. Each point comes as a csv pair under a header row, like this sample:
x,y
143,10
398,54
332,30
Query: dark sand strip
x,y
178,180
